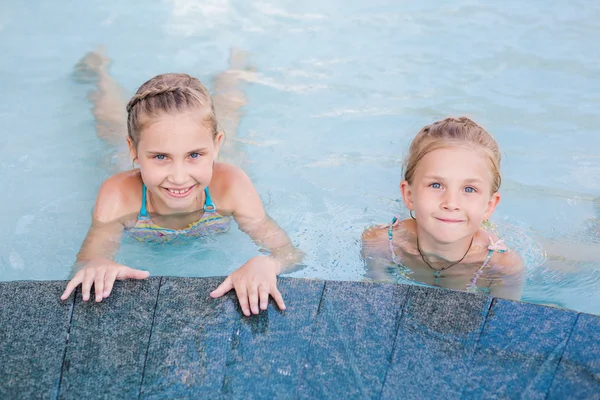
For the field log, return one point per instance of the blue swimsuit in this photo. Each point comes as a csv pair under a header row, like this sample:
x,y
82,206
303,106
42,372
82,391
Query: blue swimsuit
x,y
145,230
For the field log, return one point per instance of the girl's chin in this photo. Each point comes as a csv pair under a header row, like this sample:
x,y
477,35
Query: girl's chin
x,y
178,202
450,238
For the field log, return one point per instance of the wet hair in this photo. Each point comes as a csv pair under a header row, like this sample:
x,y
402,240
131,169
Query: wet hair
x,y
169,93
453,132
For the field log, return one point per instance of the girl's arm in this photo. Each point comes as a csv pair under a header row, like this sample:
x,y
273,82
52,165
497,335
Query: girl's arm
x,y
510,284
101,241
257,278
94,265
375,253
252,219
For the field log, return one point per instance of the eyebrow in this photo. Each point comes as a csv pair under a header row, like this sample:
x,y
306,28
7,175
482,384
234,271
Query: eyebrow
x,y
167,154
439,178
198,150
473,180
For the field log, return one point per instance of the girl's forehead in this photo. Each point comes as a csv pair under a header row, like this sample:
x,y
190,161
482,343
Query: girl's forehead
x,y
456,162
175,129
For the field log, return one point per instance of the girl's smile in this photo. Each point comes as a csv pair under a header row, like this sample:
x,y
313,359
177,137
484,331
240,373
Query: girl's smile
x,y
449,220
179,193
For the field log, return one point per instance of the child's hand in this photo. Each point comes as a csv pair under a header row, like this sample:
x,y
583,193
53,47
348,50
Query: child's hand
x,y
257,279
102,273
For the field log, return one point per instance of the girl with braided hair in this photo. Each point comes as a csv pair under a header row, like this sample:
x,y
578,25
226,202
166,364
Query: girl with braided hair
x,y
179,191
450,186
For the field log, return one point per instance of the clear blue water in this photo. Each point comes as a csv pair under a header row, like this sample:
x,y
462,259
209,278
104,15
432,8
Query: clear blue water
x,y
340,89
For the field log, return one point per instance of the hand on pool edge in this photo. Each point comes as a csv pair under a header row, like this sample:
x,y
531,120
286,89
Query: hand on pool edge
x,y
101,273
253,282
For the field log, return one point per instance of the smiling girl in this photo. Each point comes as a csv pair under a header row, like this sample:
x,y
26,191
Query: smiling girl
x,y
179,191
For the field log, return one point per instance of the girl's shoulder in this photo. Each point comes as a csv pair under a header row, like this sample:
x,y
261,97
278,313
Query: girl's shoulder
x,y
509,262
400,229
228,174
119,196
503,257
390,242
228,183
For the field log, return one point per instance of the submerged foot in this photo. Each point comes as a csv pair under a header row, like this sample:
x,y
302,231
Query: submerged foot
x,y
238,59
239,67
91,66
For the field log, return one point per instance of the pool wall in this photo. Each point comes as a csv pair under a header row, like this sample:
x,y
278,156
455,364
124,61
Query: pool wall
x,y
165,338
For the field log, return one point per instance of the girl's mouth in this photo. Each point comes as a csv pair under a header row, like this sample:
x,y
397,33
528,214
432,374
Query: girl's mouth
x,y
449,221
179,193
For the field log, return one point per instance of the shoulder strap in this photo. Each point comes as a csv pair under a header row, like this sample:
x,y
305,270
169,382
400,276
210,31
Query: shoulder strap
x,y
391,238
143,211
209,206
487,259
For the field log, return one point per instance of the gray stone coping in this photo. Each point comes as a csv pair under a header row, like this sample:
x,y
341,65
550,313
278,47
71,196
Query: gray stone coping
x,y
165,338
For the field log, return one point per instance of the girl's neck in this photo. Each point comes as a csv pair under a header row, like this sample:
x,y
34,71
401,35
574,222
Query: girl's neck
x,y
156,206
435,251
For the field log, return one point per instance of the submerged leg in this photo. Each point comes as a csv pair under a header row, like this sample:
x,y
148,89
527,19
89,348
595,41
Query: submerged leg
x,y
108,104
228,99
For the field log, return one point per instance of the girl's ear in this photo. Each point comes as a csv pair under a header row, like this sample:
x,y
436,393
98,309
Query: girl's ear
x,y
132,149
407,195
491,206
218,141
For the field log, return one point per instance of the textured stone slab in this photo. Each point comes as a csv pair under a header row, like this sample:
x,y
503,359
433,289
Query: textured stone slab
x,y
268,350
191,340
353,340
108,342
578,375
33,332
336,340
435,341
518,351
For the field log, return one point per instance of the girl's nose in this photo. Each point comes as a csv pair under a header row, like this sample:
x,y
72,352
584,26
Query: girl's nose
x,y
178,174
450,202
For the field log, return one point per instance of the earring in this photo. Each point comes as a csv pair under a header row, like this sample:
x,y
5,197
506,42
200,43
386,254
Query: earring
x,y
411,215
488,225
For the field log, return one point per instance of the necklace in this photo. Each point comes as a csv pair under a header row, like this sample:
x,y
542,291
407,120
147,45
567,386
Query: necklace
x,y
437,272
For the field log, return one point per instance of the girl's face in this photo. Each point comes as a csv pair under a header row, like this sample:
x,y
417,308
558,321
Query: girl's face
x,y
176,154
450,193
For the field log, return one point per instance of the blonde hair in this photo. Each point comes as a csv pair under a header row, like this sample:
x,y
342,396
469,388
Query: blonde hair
x,y
452,132
168,93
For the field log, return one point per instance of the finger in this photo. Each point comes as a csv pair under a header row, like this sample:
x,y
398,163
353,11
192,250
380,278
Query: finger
x,y
223,288
99,285
86,285
278,298
130,273
263,292
73,283
109,281
253,297
242,295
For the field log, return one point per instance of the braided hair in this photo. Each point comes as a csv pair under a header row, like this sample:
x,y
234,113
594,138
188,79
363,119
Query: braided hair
x,y
449,132
168,93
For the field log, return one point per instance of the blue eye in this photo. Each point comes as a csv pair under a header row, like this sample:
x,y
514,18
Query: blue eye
x,y
160,156
436,185
470,189
194,155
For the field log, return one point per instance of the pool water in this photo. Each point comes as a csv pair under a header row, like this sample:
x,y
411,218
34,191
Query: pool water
x,y
339,91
